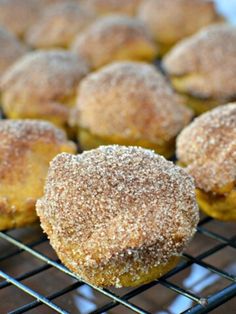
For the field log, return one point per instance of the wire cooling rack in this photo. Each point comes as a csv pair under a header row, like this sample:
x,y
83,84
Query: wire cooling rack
x,y
198,304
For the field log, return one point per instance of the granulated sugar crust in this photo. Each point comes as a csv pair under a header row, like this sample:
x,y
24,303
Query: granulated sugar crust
x,y
133,100
208,147
116,205
208,57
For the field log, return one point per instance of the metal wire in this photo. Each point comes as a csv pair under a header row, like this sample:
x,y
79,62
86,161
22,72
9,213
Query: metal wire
x,y
200,305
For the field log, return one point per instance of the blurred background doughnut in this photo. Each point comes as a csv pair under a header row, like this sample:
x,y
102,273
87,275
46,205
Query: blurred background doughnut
x,y
10,49
18,15
115,37
171,20
203,67
42,85
59,25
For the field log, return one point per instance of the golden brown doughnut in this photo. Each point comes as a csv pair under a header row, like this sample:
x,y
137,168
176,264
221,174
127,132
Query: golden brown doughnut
x,y
10,49
203,67
104,7
18,15
115,37
208,148
129,103
171,20
42,85
116,215
26,148
59,25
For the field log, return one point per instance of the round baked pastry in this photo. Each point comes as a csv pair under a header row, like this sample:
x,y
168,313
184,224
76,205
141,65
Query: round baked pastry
x,y
10,49
118,216
203,67
171,20
26,148
129,103
42,85
59,25
115,38
207,147
18,15
104,7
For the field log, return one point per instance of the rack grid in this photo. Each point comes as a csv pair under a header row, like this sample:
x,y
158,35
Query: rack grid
x,y
199,304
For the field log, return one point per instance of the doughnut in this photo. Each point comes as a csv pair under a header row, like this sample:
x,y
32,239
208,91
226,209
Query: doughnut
x,y
203,67
59,25
129,103
115,37
26,148
42,85
18,15
172,20
207,147
104,7
10,49
118,216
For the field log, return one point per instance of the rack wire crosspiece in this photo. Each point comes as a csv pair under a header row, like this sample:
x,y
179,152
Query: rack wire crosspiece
x,y
199,304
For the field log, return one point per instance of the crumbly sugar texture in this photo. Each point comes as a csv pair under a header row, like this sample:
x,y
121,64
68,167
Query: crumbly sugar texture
x,y
117,205
132,100
208,58
208,148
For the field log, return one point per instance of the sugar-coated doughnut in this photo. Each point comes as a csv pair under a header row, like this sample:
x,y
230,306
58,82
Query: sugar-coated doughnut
x,y
203,67
118,216
207,147
115,37
42,85
18,15
171,20
26,148
129,103
59,25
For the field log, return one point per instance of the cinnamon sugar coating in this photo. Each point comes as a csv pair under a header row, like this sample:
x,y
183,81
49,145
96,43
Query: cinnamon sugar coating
x,y
118,208
208,148
132,100
206,62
